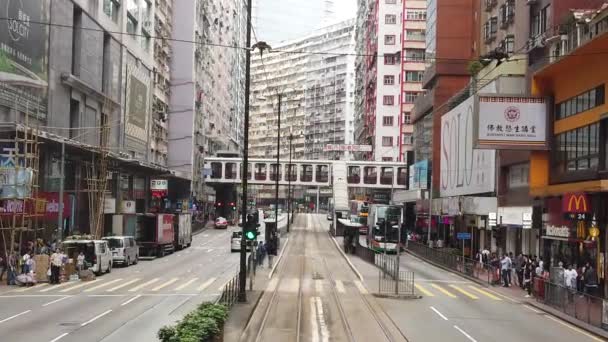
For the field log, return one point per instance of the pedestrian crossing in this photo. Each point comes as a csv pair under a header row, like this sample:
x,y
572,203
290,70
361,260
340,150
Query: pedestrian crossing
x,y
119,286
455,291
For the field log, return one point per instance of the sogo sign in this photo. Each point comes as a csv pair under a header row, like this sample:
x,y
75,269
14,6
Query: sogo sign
x,y
464,170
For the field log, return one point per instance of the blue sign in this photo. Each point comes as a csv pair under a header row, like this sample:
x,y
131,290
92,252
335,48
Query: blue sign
x,y
419,175
463,236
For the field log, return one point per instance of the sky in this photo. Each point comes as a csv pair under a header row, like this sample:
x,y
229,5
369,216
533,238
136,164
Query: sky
x,y
280,20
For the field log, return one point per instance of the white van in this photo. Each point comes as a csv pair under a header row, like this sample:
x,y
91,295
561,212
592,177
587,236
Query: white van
x,y
97,255
124,249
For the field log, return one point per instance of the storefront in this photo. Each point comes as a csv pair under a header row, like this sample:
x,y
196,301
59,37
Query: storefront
x,y
514,231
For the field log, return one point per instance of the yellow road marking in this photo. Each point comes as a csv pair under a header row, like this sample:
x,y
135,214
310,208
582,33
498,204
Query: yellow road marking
x,y
206,284
464,292
424,291
173,280
102,285
83,284
445,292
141,286
123,285
483,292
360,286
184,285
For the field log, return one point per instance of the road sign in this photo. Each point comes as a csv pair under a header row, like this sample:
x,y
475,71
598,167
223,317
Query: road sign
x,y
463,236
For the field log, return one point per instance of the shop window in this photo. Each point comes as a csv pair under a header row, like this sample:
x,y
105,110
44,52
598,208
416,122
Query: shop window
x,y
305,173
275,171
354,175
580,103
216,170
322,175
386,175
260,171
578,149
230,170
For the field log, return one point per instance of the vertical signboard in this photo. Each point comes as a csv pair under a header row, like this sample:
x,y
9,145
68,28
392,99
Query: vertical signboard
x,y
24,55
137,107
463,169
419,175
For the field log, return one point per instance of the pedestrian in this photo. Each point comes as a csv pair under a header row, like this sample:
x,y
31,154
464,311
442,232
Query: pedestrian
x,y
511,270
528,274
2,267
519,270
56,263
591,280
25,263
271,250
13,260
80,261
505,269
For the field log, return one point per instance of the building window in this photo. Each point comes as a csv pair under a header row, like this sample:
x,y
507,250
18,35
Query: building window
x,y
389,59
580,103
146,41
577,149
414,14
389,79
414,55
387,141
390,19
416,35
387,159
407,139
131,26
387,121
389,39
508,44
414,76
410,96
111,9
407,118
388,100
390,1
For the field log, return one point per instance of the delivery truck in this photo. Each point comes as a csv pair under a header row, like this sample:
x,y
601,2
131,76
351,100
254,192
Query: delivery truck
x,y
155,234
183,231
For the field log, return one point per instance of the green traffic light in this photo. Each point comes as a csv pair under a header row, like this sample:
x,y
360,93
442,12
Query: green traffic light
x,y
250,235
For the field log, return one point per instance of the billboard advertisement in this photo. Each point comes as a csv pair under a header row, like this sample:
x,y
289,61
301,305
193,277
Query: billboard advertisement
x,y
463,169
24,56
419,175
347,147
137,108
508,122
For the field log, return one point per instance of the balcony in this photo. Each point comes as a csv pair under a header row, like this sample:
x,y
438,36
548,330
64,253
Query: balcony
x,y
422,104
429,74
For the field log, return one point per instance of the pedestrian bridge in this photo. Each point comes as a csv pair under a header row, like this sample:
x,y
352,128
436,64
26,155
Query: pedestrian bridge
x,y
360,174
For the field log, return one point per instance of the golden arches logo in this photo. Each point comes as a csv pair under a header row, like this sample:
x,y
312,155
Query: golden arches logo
x,y
580,203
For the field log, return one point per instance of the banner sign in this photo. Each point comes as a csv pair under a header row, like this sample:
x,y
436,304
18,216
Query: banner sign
x,y
506,122
159,187
463,169
555,231
348,147
418,176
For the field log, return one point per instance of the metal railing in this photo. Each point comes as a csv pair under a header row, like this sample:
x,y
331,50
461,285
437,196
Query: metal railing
x,y
582,306
392,280
230,293
457,263
365,253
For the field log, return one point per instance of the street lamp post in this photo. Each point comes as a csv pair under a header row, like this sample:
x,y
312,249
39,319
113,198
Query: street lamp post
x,y
289,184
276,174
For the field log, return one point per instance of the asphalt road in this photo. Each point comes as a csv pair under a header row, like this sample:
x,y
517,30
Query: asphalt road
x,y
315,296
127,304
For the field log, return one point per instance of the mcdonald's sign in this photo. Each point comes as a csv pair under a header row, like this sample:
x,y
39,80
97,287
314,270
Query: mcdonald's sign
x,y
576,203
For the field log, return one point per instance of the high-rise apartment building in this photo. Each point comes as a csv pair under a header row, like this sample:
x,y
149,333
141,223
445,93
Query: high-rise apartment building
x,y
314,74
391,42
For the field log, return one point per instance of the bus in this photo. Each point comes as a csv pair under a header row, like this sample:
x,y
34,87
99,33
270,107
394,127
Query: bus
x,y
359,210
383,224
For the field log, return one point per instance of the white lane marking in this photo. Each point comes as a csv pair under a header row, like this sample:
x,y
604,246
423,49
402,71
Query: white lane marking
x,y
206,284
360,286
571,327
15,316
186,284
340,286
532,309
56,301
321,318
59,337
102,285
318,286
123,285
205,235
56,287
83,284
95,318
439,313
141,286
313,320
27,288
465,334
210,250
173,280
276,263
130,300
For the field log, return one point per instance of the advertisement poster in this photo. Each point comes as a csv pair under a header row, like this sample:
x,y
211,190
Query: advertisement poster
x,y
419,175
137,108
24,55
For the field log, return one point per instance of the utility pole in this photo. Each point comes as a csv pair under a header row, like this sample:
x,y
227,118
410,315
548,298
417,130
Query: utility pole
x,y
243,267
61,189
289,184
430,211
276,174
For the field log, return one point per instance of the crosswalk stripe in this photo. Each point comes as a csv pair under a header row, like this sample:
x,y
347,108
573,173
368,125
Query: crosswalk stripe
x,y
206,284
102,285
141,286
444,291
173,280
186,284
340,286
424,291
123,285
484,292
56,286
82,284
37,286
464,292
360,286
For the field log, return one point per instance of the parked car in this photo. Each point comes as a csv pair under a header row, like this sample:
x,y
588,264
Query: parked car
x,y
97,255
124,249
221,223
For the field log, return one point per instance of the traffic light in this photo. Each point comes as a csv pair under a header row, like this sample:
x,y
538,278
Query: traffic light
x,y
233,206
251,229
218,204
